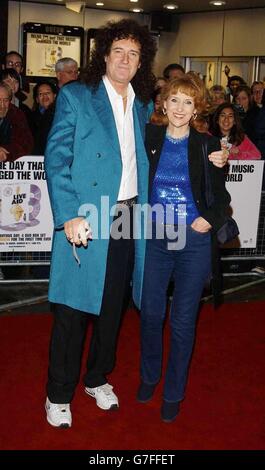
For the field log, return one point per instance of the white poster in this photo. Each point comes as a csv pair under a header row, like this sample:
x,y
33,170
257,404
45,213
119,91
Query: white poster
x,y
244,182
43,51
26,222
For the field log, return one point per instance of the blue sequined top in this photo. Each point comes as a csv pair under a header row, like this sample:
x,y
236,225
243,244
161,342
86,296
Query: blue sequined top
x,y
171,184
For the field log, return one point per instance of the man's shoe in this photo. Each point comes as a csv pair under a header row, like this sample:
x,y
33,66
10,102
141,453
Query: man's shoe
x,y
169,411
58,415
258,270
104,396
145,392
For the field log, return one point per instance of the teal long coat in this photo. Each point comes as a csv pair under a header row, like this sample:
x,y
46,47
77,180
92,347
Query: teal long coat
x,y
83,163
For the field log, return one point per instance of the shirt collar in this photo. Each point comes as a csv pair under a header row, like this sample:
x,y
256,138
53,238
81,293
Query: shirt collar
x,y
113,93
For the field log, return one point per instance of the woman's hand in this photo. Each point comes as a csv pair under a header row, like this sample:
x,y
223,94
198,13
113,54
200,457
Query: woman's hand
x,y
201,225
219,158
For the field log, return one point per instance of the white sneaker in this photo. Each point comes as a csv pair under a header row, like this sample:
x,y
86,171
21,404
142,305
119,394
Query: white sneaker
x,y
259,270
105,397
58,415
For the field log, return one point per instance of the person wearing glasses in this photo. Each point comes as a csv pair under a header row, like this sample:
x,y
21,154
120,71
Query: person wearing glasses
x,y
14,60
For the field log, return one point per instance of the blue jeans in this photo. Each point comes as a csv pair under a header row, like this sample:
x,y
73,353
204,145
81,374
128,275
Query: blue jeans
x,y
188,268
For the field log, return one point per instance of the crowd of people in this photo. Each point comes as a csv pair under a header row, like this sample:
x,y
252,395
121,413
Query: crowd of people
x,y
100,124
30,126
23,129
236,110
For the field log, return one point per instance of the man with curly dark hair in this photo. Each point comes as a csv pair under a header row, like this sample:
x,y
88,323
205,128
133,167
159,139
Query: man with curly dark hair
x,y
95,149
143,82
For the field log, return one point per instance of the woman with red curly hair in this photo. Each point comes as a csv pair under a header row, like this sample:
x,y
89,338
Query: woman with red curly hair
x,y
182,246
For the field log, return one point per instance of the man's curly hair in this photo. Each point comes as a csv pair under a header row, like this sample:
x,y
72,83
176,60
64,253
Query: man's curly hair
x,y
144,80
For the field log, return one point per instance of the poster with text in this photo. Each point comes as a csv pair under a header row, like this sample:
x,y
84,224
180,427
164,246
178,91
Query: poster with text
x,y
43,51
244,182
26,222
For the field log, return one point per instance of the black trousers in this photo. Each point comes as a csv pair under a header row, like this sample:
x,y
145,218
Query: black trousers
x,y
70,325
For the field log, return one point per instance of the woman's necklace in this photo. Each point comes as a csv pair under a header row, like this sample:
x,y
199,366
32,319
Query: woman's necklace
x,y
177,139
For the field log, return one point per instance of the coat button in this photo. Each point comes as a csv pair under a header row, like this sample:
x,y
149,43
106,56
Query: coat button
x,y
98,155
95,183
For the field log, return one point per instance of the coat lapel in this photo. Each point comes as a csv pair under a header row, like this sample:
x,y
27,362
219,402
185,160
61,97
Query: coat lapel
x,y
195,157
103,109
140,116
155,136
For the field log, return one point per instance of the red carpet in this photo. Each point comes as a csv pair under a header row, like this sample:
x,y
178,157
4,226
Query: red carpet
x,y
223,409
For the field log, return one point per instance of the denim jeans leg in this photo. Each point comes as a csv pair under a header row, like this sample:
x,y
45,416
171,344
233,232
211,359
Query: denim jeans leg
x,y
192,267
158,268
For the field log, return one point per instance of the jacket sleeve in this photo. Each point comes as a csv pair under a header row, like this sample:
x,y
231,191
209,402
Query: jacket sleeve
x,y
216,214
246,151
59,155
21,138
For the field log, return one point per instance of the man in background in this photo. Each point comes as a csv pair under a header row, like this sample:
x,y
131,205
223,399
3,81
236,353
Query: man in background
x,y
66,71
173,71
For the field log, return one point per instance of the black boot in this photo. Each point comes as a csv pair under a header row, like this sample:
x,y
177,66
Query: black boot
x,y
169,411
145,392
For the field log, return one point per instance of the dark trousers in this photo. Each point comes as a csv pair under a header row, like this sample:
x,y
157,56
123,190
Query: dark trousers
x,y
189,268
70,325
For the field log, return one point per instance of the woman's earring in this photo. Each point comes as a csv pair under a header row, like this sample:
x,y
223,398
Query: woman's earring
x,y
164,111
195,116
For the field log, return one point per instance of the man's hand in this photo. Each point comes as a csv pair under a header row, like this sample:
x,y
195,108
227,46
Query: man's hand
x,y
201,225
76,231
219,158
3,154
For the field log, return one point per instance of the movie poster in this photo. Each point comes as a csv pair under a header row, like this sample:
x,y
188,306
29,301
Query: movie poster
x,y
43,51
25,215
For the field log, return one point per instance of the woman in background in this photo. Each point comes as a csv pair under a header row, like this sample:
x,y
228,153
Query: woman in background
x,y
227,126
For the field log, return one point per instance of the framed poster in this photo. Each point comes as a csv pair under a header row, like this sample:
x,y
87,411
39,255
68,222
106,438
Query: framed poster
x,y
91,34
44,44
210,74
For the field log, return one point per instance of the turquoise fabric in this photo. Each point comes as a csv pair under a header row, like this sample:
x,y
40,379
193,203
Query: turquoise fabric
x,y
83,163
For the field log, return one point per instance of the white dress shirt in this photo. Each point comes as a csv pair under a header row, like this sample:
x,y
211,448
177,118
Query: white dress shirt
x,y
125,130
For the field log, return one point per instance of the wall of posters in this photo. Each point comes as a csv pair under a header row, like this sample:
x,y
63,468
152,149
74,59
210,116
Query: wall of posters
x,y
25,215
